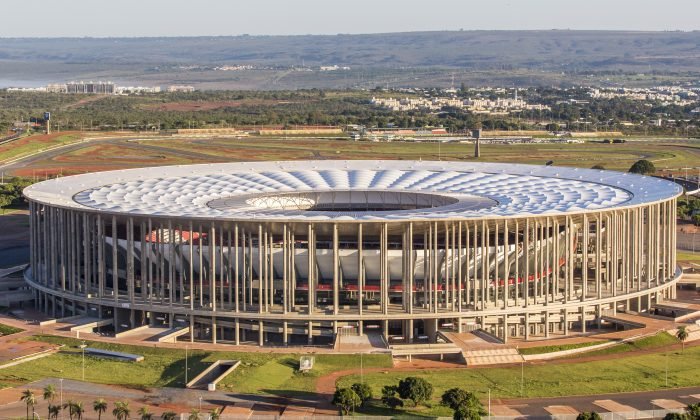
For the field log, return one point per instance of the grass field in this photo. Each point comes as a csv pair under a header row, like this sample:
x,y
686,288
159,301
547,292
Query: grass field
x,y
131,154
621,374
260,372
659,340
7,330
562,347
687,256
33,144
611,156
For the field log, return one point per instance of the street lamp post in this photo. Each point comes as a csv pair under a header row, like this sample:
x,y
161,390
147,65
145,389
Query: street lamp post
x,y
489,402
200,403
61,395
82,347
186,354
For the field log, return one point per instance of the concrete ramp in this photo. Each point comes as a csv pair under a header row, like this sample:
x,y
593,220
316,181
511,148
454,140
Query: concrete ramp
x,y
213,374
171,335
89,324
131,332
4,272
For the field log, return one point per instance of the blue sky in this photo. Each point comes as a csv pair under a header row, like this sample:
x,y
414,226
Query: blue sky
x,y
50,18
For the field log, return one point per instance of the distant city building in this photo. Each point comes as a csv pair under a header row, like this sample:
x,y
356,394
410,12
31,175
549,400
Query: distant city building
x,y
126,90
56,88
180,88
97,88
333,68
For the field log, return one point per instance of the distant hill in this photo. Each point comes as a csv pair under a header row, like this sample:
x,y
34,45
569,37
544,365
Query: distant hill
x,y
548,51
477,49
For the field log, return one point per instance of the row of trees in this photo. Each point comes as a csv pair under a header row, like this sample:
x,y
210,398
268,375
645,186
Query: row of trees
x,y
464,404
418,391
120,411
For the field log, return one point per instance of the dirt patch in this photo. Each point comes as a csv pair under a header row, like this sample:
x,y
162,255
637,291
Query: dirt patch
x,y
13,349
687,227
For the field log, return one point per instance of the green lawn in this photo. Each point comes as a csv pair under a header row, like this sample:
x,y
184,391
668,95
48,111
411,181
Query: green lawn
x,y
621,374
7,330
26,146
260,372
655,341
688,256
561,347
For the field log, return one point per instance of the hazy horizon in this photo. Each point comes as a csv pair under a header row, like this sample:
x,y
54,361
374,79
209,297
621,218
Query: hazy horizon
x,y
180,18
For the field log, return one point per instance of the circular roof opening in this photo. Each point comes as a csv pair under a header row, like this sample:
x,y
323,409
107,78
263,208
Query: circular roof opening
x,y
340,201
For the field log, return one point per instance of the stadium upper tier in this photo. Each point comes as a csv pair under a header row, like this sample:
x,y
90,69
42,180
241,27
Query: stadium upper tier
x,y
308,191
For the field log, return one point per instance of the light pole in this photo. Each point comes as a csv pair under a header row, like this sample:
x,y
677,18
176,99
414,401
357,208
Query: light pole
x,y
82,347
362,375
489,402
61,397
522,376
186,368
200,403
666,369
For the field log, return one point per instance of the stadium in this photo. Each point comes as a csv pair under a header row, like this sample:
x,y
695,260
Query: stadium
x,y
299,252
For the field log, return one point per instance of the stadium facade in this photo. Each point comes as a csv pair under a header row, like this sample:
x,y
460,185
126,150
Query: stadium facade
x,y
297,252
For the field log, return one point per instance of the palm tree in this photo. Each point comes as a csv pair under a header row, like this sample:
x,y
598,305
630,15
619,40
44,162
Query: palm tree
x,y
682,335
194,415
100,406
70,405
29,398
78,409
145,414
49,395
215,414
168,415
54,411
121,410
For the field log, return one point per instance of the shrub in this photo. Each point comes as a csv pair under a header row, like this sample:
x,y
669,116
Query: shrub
x,y
415,389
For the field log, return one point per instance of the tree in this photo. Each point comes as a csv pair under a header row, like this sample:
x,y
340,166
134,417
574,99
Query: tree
x,y
194,415
415,389
598,166
121,410
346,399
54,411
693,411
49,395
696,219
70,406
676,416
465,411
592,415
78,410
363,391
168,415
29,399
464,403
682,335
145,413
389,397
5,200
99,406
215,414
642,167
